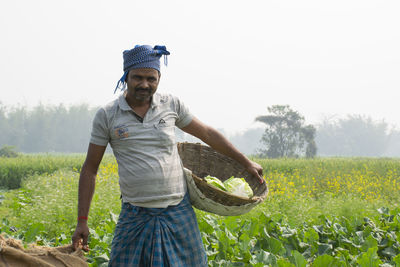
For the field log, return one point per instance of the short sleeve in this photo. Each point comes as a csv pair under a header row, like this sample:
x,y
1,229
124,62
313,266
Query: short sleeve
x,y
184,116
100,134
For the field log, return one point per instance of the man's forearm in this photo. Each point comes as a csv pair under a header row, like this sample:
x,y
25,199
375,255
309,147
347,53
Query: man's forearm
x,y
218,142
87,183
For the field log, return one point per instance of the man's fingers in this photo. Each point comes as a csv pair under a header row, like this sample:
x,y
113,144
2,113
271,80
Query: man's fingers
x,y
75,242
85,246
260,172
75,245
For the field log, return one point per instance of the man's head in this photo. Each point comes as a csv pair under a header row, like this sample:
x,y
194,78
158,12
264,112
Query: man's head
x,y
141,57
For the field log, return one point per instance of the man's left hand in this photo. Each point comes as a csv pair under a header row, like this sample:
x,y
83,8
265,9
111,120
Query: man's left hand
x,y
255,169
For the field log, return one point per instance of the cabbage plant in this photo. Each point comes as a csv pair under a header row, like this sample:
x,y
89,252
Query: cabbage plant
x,y
215,182
238,186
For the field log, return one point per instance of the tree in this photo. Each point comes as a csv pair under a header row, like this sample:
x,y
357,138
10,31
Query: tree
x,y
309,132
247,141
393,147
355,135
8,152
286,134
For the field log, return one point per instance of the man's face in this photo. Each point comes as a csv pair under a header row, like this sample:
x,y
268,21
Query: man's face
x,y
142,83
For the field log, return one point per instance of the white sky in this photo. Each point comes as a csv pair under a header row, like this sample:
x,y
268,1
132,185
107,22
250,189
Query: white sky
x,y
229,60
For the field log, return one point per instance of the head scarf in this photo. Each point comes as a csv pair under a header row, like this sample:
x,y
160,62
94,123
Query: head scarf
x,y
142,56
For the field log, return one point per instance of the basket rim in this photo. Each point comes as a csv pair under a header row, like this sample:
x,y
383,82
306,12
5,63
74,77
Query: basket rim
x,y
260,197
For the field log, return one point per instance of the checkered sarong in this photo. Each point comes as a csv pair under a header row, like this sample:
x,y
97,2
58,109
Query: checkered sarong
x,y
158,237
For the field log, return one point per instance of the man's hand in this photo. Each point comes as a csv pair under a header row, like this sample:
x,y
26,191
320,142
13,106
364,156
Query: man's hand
x,y
255,169
80,237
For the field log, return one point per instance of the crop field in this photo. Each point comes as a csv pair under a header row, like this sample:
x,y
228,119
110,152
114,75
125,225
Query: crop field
x,y
319,212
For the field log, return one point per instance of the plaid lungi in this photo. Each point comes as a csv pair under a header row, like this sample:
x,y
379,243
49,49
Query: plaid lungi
x,y
158,237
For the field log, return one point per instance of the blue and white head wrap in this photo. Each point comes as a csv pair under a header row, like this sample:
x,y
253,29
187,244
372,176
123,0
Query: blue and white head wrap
x,y
142,56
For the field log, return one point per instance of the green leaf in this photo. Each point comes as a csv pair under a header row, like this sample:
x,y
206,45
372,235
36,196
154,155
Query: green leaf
x,y
224,241
319,229
245,243
359,237
326,261
272,245
34,230
324,248
220,263
277,217
390,252
369,242
287,232
297,259
397,260
231,223
265,233
114,217
384,211
311,236
369,258
344,256
254,227
103,258
206,226
339,229
263,257
282,262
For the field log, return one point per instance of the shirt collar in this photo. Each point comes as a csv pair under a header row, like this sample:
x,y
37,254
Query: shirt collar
x,y
155,101
122,102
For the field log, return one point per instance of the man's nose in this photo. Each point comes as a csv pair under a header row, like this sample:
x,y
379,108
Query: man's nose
x,y
145,84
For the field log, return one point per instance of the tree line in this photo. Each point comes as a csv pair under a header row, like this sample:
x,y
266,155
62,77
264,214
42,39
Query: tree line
x,y
47,128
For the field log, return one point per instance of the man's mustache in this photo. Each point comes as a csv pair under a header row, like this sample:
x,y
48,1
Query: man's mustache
x,y
142,89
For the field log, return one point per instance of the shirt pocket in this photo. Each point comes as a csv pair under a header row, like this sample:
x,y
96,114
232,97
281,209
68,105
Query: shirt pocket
x,y
166,132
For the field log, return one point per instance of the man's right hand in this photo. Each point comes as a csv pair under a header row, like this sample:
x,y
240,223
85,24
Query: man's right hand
x,y
80,237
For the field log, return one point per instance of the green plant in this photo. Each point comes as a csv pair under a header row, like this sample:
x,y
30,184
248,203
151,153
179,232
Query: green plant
x,y
8,152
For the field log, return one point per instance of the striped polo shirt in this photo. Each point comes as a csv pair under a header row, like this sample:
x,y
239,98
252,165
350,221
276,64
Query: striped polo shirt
x,y
149,167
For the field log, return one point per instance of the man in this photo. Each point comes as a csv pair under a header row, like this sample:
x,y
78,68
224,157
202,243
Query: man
x,y
157,225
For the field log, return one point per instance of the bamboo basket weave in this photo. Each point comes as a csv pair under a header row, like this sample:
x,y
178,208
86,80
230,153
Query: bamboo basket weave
x,y
202,160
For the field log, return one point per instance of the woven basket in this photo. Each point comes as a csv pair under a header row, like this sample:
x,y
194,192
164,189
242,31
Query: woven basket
x,y
202,160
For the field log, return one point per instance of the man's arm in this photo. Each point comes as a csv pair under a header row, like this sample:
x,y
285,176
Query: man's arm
x,y
87,183
218,142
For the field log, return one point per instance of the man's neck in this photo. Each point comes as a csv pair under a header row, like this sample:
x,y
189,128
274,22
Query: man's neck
x,y
139,107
